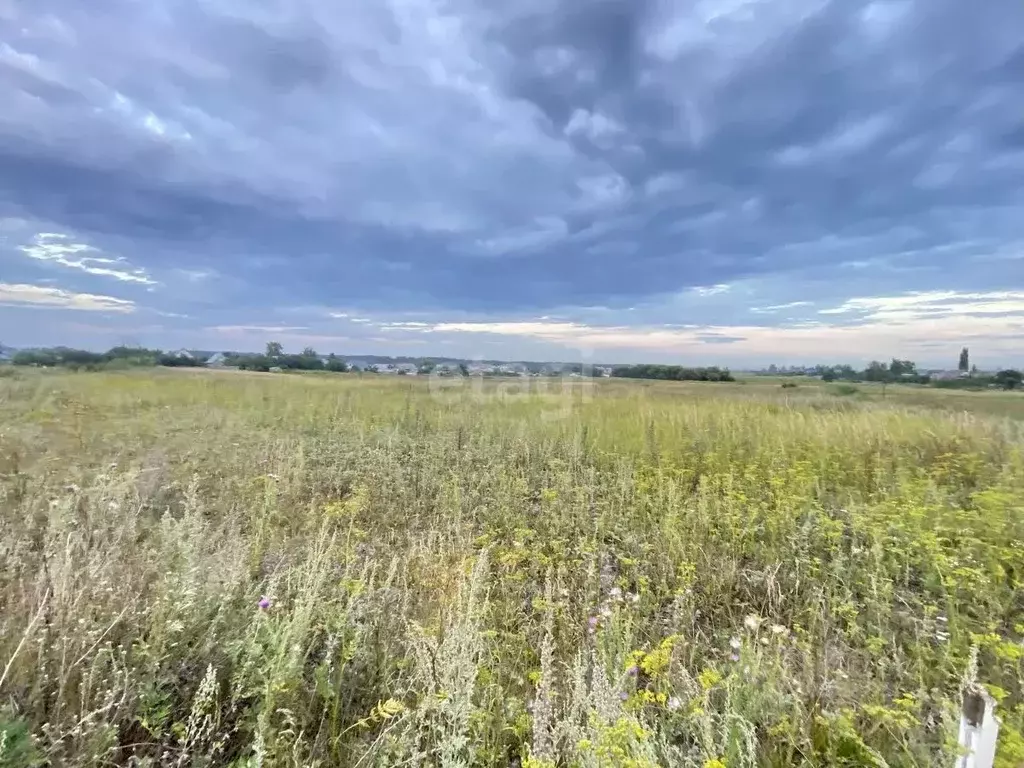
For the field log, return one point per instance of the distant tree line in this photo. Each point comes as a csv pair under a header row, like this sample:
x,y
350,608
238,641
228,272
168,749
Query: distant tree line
x,y
671,373
275,357
906,372
138,357
112,359
896,370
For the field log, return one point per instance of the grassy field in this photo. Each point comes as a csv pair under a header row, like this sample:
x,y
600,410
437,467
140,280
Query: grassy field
x,y
280,570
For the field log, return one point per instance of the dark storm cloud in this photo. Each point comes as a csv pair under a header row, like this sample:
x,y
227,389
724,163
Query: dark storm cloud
x,y
468,156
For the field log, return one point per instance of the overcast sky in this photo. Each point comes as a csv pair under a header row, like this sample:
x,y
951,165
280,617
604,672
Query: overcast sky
x,y
700,181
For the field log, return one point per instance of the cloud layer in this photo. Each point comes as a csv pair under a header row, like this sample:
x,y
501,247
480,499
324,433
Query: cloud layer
x,y
622,166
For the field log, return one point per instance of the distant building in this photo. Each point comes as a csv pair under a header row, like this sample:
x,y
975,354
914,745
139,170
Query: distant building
x,y
400,369
217,360
184,354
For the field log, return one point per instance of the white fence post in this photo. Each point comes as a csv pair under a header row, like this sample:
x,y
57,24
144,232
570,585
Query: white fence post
x,y
979,729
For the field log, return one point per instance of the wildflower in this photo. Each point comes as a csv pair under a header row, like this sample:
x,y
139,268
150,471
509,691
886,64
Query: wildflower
x,y
633,597
615,593
632,671
735,643
264,603
778,629
734,657
673,703
752,622
623,696
606,611
592,623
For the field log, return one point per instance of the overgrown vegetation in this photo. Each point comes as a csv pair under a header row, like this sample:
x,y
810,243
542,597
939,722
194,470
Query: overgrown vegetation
x,y
228,569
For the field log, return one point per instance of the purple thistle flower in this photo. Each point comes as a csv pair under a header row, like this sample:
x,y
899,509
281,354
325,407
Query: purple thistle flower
x,y
632,671
623,696
734,657
264,603
592,623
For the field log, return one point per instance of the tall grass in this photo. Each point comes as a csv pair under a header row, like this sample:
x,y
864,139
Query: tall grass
x,y
258,570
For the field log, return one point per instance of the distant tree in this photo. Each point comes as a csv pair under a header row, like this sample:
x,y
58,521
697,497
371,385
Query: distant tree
x,y
877,371
902,368
463,369
1009,379
177,361
671,373
829,375
274,349
255,363
309,352
336,364
965,360
847,372
40,357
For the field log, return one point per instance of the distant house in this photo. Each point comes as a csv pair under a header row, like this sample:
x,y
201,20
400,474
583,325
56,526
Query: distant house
x,y
184,354
948,375
400,369
217,360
